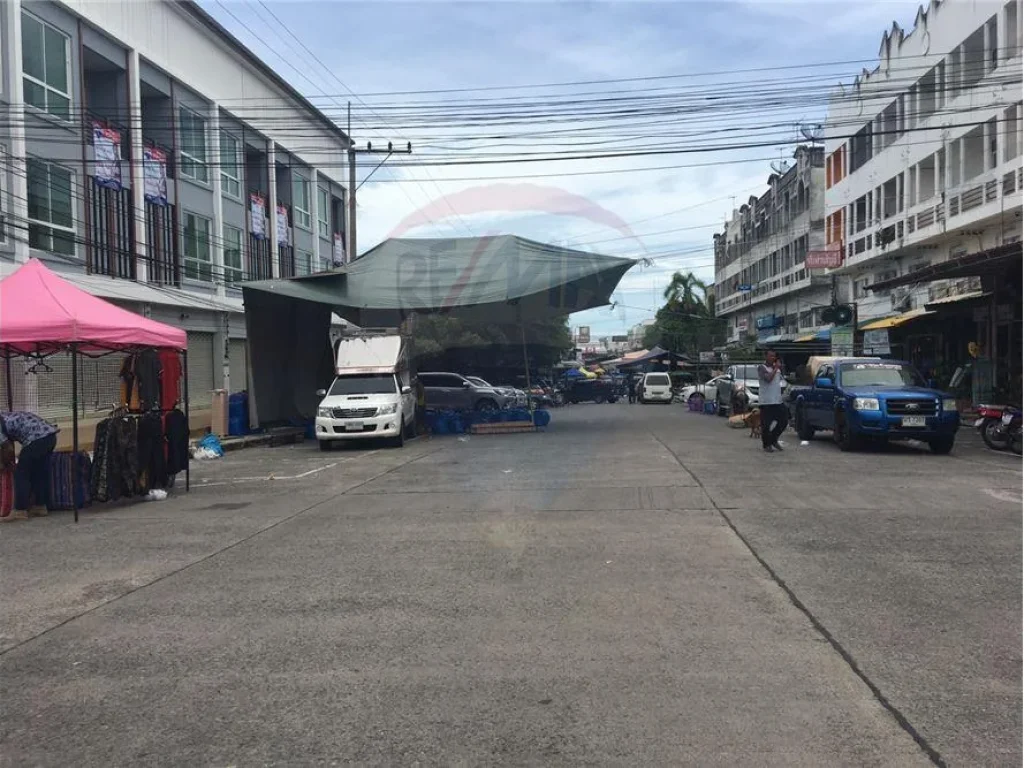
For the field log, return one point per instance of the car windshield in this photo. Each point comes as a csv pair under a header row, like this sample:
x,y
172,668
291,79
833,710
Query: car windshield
x,y
364,384
658,380
879,375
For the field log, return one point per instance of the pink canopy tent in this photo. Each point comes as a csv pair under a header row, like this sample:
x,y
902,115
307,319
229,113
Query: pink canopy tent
x,y
41,312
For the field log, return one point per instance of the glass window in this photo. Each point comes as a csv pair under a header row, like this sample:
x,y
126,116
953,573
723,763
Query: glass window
x,y
230,169
196,237
300,202
364,384
303,263
232,254
193,145
51,221
323,209
45,62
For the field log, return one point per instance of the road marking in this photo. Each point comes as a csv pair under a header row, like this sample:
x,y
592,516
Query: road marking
x,y
1011,496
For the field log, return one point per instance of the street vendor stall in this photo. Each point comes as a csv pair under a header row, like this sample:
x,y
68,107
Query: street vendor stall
x,y
42,315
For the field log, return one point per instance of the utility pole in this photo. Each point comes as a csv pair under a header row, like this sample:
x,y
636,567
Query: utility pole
x,y
352,187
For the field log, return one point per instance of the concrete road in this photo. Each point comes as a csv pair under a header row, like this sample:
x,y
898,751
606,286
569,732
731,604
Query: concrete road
x,y
637,586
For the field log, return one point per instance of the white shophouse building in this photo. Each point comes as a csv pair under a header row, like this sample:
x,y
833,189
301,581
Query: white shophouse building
x,y
155,161
923,155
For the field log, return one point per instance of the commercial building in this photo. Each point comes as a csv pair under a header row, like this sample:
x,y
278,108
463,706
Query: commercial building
x,y
923,178
763,286
153,160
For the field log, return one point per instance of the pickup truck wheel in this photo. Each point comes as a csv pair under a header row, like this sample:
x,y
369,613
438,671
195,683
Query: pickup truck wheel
x,y
842,436
398,440
486,405
941,445
803,430
323,445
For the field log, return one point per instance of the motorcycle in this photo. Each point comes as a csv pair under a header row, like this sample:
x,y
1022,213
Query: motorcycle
x,y
1000,427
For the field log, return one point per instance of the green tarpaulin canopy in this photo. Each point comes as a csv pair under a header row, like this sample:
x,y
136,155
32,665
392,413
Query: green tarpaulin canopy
x,y
503,279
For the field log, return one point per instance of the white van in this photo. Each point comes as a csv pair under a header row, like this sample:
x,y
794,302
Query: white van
x,y
371,395
656,388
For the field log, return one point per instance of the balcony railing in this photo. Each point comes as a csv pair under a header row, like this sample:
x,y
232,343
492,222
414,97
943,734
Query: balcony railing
x,y
164,261
258,266
110,248
286,260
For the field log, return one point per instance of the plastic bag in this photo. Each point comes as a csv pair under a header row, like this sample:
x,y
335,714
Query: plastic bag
x,y
212,444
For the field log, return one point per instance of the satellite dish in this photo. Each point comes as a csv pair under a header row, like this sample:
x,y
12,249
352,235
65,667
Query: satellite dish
x,y
780,166
812,132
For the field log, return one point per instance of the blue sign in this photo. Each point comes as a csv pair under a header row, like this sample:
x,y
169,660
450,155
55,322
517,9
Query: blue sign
x,y
745,287
768,321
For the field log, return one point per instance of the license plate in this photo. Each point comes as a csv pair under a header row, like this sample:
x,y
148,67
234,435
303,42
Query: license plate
x,y
913,421
354,426
1007,418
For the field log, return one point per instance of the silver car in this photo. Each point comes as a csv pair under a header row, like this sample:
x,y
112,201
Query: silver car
x,y
514,397
453,392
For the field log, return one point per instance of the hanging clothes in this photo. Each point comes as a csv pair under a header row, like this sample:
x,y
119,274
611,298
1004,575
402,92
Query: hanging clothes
x,y
147,372
129,384
99,482
170,379
176,432
152,460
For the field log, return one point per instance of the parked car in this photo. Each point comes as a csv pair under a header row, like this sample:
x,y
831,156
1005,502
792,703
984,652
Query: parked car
x,y
656,388
862,398
708,390
740,380
452,391
515,397
603,390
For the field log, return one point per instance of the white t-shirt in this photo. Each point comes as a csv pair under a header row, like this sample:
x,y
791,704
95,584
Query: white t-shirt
x,y
771,385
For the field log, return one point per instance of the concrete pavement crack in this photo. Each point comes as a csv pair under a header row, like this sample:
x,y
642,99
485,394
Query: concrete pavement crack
x,y
837,646
216,553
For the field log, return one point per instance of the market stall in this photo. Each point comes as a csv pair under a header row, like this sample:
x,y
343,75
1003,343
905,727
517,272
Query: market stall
x,y
42,315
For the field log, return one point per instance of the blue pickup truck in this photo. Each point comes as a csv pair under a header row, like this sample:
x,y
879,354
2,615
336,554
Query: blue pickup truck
x,y
862,398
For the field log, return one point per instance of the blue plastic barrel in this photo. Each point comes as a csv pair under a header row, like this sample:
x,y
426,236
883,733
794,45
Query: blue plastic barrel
x,y
238,413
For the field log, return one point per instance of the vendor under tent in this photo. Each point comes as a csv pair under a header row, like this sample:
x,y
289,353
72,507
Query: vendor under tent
x,y
502,279
42,314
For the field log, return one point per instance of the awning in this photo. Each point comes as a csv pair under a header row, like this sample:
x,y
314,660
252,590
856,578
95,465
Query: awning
x,y
992,261
825,334
896,320
947,300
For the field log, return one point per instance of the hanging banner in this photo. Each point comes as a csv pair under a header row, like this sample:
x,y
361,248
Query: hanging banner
x,y
106,144
877,342
154,173
257,216
842,341
829,258
338,259
283,231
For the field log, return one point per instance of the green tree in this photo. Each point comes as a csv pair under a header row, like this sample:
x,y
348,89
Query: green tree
x,y
684,323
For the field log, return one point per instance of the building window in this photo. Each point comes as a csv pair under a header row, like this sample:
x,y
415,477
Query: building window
x,y
303,263
196,242
51,225
323,209
230,167
300,202
193,145
46,61
1011,143
232,254
3,195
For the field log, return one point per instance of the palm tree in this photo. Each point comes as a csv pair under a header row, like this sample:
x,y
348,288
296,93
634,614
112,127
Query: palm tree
x,y
682,292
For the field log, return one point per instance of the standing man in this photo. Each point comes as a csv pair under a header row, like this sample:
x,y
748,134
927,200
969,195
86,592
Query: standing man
x,y
631,386
774,416
38,438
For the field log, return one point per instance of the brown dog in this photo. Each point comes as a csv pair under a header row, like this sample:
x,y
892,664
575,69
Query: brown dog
x,y
753,420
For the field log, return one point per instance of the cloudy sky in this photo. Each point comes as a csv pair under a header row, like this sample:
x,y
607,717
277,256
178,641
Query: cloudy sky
x,y
663,207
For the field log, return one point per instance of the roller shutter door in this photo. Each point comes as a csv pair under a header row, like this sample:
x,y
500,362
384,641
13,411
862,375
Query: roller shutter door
x,y
239,358
200,368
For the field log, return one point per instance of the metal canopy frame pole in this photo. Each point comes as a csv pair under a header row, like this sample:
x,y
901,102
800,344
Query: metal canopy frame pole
x,y
10,391
188,422
74,419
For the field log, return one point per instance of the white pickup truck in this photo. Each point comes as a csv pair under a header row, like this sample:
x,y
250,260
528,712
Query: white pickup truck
x,y
371,395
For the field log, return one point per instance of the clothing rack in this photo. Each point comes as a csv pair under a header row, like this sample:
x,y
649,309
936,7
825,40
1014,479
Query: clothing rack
x,y
91,350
